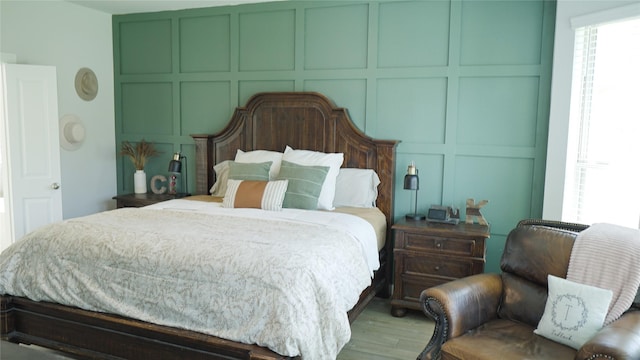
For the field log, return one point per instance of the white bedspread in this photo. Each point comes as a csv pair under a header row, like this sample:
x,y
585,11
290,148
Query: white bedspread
x,y
283,280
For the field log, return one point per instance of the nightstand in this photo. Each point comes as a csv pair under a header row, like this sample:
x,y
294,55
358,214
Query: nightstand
x,y
429,254
139,200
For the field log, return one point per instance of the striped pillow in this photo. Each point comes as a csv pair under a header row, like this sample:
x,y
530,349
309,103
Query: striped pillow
x,y
249,171
305,184
267,195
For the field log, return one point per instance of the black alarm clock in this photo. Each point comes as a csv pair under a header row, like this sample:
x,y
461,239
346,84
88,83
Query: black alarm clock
x,y
440,214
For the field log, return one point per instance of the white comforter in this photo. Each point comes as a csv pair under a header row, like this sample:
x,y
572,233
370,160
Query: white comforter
x,y
283,280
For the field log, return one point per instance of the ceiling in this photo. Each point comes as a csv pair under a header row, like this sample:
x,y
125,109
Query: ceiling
x,y
137,6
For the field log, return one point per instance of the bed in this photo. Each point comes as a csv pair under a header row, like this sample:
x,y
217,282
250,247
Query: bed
x,y
268,122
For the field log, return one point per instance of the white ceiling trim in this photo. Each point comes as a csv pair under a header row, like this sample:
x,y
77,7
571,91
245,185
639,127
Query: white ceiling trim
x,y
117,7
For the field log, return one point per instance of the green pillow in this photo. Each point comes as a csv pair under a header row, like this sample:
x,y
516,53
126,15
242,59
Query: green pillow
x,y
305,184
249,171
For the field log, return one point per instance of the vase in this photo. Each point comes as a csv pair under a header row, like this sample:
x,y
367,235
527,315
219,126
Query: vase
x,y
140,182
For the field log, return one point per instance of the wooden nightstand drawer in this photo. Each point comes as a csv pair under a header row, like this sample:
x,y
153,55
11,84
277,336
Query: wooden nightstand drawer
x,y
451,267
421,242
412,286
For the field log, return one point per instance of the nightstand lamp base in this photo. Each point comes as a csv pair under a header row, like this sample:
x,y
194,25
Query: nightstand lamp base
x,y
415,217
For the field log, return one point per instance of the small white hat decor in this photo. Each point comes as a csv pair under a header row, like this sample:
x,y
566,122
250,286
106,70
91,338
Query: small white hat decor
x,y
72,132
86,84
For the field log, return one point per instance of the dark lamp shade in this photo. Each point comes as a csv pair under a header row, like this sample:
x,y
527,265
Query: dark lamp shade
x,y
175,165
411,182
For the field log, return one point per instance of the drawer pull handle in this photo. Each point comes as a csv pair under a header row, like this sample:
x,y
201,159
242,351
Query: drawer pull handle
x,y
439,245
437,268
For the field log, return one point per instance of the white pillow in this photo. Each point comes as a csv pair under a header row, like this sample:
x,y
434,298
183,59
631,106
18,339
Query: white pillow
x,y
219,188
574,312
260,156
356,188
332,160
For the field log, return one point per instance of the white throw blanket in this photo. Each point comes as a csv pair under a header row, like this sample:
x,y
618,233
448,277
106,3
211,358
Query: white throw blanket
x,y
608,256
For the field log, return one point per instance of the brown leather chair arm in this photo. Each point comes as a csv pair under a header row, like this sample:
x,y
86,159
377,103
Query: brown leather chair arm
x,y
620,340
459,306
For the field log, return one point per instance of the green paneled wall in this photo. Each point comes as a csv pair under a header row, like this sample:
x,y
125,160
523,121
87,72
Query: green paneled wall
x,y
463,84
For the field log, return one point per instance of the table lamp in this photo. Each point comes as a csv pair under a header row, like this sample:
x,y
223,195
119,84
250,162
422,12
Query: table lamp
x,y
175,166
412,182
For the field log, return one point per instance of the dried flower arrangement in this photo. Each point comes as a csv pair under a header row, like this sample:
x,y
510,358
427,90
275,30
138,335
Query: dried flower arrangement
x,y
140,153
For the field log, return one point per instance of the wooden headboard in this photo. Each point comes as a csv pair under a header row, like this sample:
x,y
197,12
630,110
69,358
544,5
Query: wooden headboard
x,y
302,120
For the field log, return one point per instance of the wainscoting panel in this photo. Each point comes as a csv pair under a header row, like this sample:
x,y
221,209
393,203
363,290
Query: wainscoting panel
x,y
463,84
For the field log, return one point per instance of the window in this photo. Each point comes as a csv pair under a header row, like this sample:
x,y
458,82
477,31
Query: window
x,y
603,164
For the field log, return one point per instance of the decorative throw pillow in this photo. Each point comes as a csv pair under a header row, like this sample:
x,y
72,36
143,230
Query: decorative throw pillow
x,y
574,312
267,195
249,171
305,184
259,156
356,188
219,188
316,158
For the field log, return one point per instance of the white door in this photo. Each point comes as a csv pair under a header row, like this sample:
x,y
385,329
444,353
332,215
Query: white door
x,y
31,148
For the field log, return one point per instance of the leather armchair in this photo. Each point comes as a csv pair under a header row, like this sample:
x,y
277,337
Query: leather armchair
x,y
492,316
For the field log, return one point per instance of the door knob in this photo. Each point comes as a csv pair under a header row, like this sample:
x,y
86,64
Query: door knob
x,y
55,186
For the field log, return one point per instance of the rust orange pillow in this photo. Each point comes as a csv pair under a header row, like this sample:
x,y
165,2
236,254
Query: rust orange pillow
x,y
267,195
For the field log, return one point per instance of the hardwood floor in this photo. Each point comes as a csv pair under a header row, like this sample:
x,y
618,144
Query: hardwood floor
x,y
11,351
376,335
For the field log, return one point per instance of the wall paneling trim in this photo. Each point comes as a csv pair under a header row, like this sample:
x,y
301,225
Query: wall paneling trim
x,y
465,86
